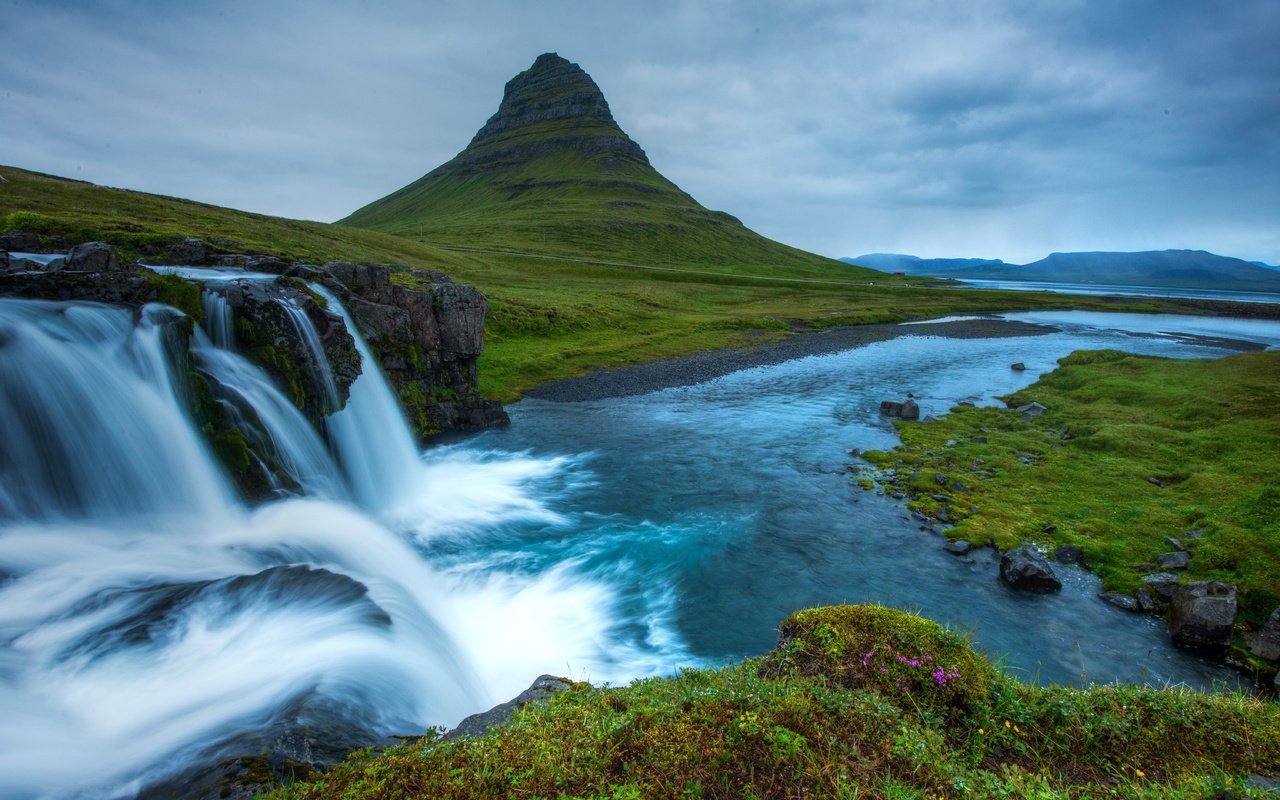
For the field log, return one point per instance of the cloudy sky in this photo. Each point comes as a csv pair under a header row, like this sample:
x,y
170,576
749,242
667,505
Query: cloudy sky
x,y
1000,129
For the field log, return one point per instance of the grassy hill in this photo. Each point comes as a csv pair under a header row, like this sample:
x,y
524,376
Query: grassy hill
x,y
552,173
549,318
856,702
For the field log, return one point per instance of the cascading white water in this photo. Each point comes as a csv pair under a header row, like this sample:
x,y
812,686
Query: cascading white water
x,y
150,622
90,423
219,322
370,435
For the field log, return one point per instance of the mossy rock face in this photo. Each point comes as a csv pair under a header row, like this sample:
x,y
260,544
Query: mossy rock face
x,y
888,651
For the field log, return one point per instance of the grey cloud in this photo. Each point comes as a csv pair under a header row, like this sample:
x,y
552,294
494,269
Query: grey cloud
x,y
1001,129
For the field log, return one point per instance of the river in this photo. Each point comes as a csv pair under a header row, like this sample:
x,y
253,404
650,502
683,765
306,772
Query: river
x,y
151,621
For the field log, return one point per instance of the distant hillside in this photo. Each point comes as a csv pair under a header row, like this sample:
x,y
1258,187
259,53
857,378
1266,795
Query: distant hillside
x,y
914,265
1188,269
552,173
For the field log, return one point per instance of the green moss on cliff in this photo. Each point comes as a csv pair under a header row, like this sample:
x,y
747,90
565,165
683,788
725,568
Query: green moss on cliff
x,y
178,292
808,721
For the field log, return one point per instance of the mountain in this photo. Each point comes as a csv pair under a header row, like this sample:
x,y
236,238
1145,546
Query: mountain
x,y
915,265
1264,265
552,173
1188,269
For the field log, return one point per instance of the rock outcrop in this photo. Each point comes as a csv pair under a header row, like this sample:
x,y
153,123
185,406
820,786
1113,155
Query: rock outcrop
x,y
478,724
1026,569
1266,642
428,340
1202,614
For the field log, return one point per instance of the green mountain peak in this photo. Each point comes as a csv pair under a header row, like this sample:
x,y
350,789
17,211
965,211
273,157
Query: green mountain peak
x,y
552,173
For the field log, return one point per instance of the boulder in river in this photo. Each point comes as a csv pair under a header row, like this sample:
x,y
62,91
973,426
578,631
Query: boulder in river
x,y
1123,602
958,548
1017,366
907,409
1266,642
477,724
1026,569
1202,615
1146,600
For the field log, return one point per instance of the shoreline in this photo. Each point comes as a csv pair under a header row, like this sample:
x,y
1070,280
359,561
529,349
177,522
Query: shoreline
x,y
695,368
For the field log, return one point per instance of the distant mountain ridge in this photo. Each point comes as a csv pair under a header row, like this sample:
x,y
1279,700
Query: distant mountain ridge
x,y
1187,269
551,172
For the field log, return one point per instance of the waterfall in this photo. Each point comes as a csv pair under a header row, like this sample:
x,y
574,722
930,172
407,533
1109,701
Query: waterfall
x,y
150,622
92,423
218,320
370,435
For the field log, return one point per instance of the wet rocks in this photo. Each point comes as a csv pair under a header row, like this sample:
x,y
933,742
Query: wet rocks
x,y
1202,614
1017,366
477,724
1068,554
1146,600
1266,642
1027,570
958,548
906,409
1123,602
428,340
1163,584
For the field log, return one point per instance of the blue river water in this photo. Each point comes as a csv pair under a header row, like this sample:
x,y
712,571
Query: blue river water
x,y
712,511
1140,291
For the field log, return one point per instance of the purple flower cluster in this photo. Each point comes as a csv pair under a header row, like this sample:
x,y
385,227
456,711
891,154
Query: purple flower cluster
x,y
900,674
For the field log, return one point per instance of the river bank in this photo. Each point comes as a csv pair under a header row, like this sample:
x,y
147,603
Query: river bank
x,y
703,366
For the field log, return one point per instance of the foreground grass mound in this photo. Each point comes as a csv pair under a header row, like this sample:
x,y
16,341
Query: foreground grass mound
x,y
810,720
1133,450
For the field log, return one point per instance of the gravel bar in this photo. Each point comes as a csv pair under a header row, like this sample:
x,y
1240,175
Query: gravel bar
x,y
688,370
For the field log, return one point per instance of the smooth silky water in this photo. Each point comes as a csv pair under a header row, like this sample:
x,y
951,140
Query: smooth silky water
x,y
151,622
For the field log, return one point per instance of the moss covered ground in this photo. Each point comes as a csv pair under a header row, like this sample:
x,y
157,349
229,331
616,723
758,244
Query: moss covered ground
x,y
856,702
549,318
1132,450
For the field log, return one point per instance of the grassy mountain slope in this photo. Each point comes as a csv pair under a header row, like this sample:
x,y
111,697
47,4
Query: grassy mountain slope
x,y
548,318
552,173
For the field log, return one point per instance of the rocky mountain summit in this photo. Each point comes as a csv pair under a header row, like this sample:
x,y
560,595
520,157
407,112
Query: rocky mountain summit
x,y
552,172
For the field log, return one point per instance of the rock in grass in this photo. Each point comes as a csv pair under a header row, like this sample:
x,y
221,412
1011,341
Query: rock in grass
x,y
1202,615
1031,410
1027,570
1068,554
477,724
1176,559
1121,601
1266,643
1164,584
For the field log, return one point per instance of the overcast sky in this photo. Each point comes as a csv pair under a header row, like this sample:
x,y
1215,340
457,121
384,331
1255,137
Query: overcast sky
x,y
968,128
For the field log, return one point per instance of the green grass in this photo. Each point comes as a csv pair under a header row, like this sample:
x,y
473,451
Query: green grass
x,y
548,318
1208,429
818,718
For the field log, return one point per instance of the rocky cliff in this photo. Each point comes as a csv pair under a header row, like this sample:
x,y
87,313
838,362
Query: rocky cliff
x,y
427,339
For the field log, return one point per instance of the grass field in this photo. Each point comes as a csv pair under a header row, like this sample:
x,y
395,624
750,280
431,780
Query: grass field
x,y
1208,430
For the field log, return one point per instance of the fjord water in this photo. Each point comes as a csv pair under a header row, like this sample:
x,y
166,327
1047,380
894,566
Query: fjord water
x,y
151,621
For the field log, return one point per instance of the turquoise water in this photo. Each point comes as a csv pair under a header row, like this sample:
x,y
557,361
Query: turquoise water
x,y
712,511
